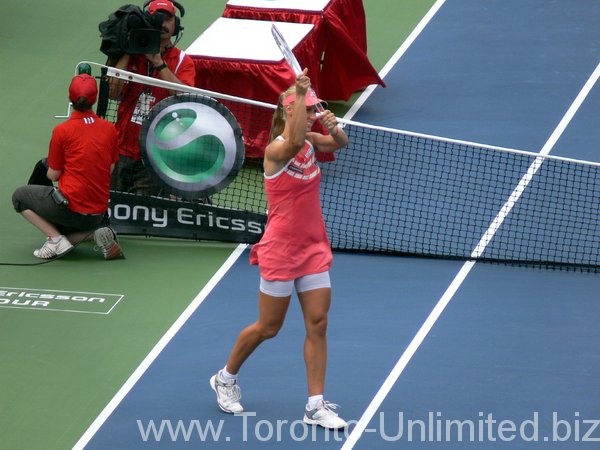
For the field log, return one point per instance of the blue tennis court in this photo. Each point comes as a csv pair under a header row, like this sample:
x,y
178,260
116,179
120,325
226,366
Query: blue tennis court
x,y
423,353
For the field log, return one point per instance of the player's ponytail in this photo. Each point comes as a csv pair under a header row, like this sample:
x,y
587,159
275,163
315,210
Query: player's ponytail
x,y
278,122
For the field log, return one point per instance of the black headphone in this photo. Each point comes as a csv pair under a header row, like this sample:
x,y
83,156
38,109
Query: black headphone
x,y
179,6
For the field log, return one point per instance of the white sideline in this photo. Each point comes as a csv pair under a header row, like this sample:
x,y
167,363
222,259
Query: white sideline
x,y
416,342
158,348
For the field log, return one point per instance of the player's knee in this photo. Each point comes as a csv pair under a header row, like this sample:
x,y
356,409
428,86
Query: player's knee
x,y
269,331
317,327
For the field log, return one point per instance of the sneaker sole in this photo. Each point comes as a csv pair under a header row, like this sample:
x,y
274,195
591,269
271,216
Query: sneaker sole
x,y
101,241
114,252
213,381
310,421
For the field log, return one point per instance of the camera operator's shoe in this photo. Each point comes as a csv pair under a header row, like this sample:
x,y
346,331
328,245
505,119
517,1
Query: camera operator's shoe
x,y
228,395
324,416
53,248
106,240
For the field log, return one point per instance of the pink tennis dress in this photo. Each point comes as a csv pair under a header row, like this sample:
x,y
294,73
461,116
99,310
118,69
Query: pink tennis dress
x,y
295,242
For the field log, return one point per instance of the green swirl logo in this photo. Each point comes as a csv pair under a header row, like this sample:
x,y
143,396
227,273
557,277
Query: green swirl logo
x,y
192,144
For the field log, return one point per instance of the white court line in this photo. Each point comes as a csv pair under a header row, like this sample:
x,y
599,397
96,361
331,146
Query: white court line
x,y
435,314
158,348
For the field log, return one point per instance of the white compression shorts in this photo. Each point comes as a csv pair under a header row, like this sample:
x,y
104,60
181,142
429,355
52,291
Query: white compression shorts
x,y
302,284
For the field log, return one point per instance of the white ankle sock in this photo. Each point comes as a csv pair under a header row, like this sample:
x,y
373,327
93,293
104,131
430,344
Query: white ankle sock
x,y
55,239
226,377
313,401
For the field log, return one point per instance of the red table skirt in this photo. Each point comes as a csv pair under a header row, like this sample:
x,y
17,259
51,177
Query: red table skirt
x,y
256,80
339,36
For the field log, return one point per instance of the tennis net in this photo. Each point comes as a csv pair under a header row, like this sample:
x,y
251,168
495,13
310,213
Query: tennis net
x,y
403,193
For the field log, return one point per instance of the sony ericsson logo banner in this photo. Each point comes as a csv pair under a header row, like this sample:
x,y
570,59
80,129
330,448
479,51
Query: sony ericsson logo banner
x,y
193,144
155,216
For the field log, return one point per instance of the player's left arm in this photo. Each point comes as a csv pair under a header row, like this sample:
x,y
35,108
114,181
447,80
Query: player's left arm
x,y
333,141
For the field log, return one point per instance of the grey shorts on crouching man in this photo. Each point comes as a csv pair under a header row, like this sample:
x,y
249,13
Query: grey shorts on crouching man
x,y
39,200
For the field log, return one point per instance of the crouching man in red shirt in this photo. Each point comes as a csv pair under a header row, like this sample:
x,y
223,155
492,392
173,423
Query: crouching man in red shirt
x,y
81,157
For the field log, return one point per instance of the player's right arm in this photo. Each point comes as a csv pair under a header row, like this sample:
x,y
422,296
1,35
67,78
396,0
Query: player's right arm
x,y
279,152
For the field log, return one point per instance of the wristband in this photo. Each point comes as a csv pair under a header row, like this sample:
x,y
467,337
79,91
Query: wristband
x,y
161,67
331,133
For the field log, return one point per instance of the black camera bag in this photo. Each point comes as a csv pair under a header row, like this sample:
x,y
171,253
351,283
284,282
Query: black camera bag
x,y
39,174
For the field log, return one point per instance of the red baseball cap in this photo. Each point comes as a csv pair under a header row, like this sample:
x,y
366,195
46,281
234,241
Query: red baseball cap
x,y
311,99
161,5
83,85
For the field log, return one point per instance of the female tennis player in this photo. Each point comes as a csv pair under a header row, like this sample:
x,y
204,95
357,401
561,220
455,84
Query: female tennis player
x,y
294,251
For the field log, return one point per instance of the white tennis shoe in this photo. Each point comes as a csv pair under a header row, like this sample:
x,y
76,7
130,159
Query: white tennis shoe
x,y
324,416
228,395
52,250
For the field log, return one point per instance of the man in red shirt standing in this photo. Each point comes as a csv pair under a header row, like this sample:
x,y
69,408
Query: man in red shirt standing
x,y
136,100
81,158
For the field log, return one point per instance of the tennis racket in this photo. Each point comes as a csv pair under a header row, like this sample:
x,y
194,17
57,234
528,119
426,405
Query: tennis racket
x,y
289,56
